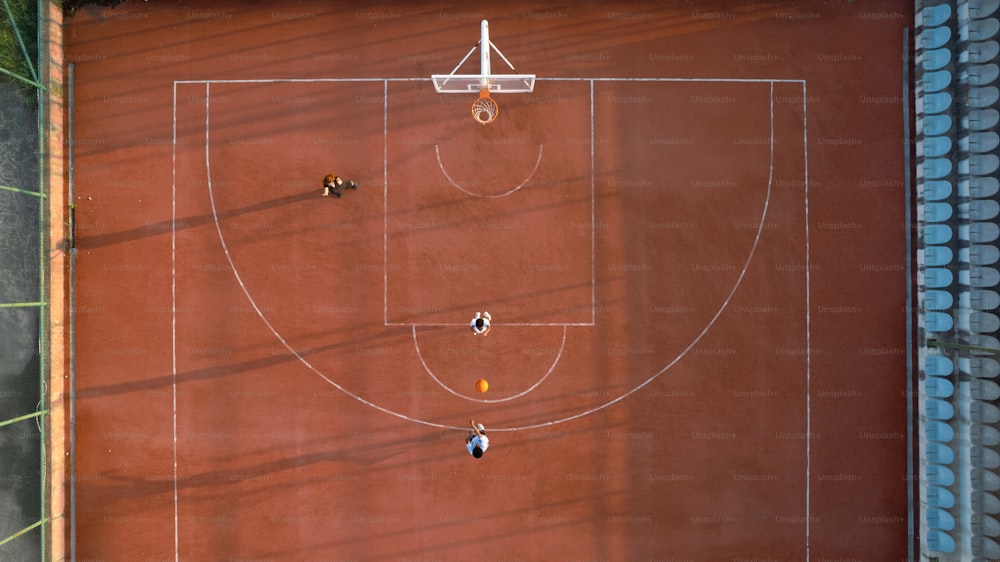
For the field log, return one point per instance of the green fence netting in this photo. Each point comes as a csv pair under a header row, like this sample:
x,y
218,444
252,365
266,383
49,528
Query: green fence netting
x,y
23,228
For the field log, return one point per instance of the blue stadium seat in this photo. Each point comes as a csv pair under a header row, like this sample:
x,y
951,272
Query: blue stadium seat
x,y
982,74
936,59
938,277
984,367
938,432
979,164
939,453
979,322
934,37
939,475
936,190
938,366
936,146
932,16
983,457
985,502
937,211
937,256
935,81
936,409
981,119
937,234
983,29
982,52
983,142
983,96
981,232
985,547
983,8
983,186
982,389
940,541
984,413
936,168
989,342
980,299
938,102
938,518
936,496
985,526
983,209
938,387
936,124
938,322
983,254
982,479
983,322
987,436
938,300
978,276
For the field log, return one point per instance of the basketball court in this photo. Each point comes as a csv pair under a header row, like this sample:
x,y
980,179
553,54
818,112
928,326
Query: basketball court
x,y
696,294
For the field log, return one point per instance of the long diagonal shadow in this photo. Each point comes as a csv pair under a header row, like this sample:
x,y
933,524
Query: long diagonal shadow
x,y
163,227
219,371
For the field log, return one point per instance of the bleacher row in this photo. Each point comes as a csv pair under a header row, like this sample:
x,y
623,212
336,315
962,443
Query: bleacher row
x,y
958,277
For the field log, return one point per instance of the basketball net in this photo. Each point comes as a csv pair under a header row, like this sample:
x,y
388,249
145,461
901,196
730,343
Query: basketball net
x,y
484,109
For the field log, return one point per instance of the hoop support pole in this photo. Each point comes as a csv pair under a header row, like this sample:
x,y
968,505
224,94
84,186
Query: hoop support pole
x,y
484,54
497,49
465,58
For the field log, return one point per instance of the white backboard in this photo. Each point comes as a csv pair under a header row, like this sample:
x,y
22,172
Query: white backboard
x,y
473,83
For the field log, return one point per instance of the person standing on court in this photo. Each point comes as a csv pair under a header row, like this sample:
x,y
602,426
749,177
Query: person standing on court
x,y
481,324
477,442
333,184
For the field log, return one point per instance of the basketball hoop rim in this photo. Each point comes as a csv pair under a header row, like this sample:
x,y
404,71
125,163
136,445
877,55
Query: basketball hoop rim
x,y
485,104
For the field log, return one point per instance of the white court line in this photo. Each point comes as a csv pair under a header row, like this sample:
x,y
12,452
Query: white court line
x,y
593,218
437,152
552,367
173,315
611,402
466,324
538,79
805,156
385,202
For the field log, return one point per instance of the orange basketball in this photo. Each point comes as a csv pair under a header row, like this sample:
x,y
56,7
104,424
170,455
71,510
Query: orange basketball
x,y
482,385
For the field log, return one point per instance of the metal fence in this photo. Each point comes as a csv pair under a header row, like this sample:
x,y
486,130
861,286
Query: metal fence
x,y
24,367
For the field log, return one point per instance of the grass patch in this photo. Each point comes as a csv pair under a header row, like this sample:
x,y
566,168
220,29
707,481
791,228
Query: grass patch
x,y
12,59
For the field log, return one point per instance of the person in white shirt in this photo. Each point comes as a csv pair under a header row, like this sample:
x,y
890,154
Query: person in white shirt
x,y
481,324
477,442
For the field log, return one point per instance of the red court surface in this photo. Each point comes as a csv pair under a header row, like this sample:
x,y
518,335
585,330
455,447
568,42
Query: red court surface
x,y
690,237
